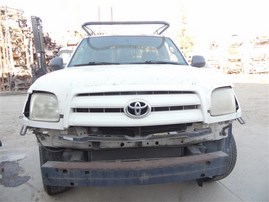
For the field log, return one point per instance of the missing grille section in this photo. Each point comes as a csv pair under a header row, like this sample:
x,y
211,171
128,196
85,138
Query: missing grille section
x,y
121,110
131,154
111,132
135,93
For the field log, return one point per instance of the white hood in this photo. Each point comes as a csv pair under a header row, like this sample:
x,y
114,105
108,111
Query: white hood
x,y
108,77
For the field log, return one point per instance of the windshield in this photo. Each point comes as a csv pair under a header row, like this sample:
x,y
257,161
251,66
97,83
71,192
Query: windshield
x,y
126,50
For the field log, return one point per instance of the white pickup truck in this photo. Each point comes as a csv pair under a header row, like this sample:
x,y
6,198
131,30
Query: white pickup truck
x,y
128,110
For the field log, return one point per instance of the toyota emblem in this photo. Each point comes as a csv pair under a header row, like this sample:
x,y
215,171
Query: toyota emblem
x,y
137,109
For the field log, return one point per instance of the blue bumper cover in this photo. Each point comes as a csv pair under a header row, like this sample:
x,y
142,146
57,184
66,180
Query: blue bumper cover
x,y
153,171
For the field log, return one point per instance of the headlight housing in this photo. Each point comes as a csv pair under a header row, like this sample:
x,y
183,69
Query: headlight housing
x,y
44,107
222,102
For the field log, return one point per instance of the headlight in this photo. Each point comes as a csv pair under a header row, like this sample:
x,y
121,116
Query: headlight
x,y
44,107
222,102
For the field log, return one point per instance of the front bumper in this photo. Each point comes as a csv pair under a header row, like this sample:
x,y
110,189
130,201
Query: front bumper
x,y
73,174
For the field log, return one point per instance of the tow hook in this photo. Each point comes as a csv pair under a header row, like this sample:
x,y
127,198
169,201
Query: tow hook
x,y
241,120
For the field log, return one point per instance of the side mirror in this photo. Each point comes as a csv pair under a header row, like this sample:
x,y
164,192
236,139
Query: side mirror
x,y
197,61
56,63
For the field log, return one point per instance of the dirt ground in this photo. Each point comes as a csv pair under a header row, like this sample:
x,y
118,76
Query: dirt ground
x,y
20,178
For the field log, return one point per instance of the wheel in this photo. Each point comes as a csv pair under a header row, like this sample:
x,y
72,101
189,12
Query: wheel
x,y
50,154
231,162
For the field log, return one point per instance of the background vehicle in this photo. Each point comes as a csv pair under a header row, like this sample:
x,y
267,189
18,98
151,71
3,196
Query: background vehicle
x,y
66,53
128,109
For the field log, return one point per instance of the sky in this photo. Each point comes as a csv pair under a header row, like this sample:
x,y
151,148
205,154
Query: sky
x,y
205,19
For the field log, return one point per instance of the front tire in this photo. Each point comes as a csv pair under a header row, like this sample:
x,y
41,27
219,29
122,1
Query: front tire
x,y
50,154
231,162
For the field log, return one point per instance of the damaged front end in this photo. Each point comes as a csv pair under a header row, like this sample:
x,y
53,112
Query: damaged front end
x,y
98,157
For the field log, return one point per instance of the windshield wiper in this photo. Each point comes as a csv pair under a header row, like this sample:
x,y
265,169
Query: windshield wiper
x,y
161,62
96,63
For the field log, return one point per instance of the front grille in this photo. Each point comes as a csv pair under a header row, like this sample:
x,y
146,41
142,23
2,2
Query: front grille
x,y
121,110
113,108
105,97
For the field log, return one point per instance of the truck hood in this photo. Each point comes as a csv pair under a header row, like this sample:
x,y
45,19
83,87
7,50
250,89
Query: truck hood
x,y
123,77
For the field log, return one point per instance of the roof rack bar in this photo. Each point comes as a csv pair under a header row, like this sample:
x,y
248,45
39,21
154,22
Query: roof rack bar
x,y
159,31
